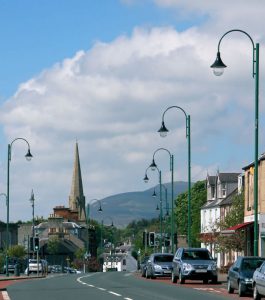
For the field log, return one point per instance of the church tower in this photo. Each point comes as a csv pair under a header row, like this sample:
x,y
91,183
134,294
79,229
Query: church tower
x,y
77,201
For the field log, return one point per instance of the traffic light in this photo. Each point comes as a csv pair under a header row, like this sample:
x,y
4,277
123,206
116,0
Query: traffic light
x,y
151,239
31,244
36,243
145,238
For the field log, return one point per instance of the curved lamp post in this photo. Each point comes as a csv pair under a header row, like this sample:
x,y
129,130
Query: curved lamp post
x,y
163,132
3,194
28,158
218,69
171,167
32,201
146,179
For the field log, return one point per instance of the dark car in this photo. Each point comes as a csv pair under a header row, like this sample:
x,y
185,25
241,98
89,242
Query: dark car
x,y
194,264
241,273
159,265
143,266
258,283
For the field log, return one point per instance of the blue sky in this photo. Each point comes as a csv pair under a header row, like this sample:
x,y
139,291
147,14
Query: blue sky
x,y
37,34
102,73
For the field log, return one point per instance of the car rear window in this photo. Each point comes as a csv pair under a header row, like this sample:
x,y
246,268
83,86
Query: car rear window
x,y
163,258
251,264
196,255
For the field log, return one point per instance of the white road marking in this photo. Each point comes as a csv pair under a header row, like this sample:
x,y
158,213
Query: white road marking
x,y
119,295
99,288
5,295
128,299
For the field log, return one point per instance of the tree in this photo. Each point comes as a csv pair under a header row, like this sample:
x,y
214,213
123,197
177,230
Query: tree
x,y
234,241
53,245
198,198
17,251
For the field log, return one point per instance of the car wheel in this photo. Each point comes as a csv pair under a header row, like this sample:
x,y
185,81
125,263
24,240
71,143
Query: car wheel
x,y
229,288
215,280
256,295
181,278
241,290
146,274
174,279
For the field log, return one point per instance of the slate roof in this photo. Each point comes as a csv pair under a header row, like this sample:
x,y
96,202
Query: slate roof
x,y
262,157
213,203
229,199
211,179
228,177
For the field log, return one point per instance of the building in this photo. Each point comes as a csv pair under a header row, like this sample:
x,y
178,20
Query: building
x,y
220,189
66,226
249,204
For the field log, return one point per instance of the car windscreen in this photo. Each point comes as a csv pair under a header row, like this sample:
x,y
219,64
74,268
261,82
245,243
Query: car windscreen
x,y
196,255
251,264
163,258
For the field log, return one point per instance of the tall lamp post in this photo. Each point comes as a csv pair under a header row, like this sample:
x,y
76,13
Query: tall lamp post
x,y
163,132
32,201
28,157
6,250
171,167
146,179
218,69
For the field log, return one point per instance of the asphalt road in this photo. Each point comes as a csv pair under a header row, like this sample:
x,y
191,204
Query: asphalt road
x,y
109,286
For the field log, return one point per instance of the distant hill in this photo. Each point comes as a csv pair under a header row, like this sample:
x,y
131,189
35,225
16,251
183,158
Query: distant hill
x,y
126,207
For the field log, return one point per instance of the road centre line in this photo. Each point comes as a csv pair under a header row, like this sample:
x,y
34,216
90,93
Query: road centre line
x,y
79,279
113,293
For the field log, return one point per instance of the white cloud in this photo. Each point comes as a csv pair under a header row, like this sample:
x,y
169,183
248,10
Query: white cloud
x,y
111,99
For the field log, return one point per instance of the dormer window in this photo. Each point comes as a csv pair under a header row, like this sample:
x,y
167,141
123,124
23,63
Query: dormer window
x,y
212,192
223,190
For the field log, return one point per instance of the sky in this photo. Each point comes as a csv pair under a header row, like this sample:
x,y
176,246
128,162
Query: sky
x,y
101,73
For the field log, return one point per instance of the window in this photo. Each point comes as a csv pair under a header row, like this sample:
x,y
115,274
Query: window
x,y
223,190
212,192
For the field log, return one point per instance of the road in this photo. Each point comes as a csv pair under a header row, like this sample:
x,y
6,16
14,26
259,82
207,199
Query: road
x,y
112,286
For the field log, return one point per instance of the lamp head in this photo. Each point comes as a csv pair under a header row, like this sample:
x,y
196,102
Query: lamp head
x,y
100,208
157,208
154,193
153,165
32,199
146,179
163,130
218,66
28,155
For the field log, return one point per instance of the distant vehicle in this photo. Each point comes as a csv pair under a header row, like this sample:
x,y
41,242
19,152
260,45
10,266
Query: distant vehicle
x,y
11,265
241,273
159,265
35,265
194,264
56,269
259,282
70,270
143,266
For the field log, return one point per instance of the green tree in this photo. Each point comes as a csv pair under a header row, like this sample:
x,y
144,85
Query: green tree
x,y
198,199
53,245
234,241
17,251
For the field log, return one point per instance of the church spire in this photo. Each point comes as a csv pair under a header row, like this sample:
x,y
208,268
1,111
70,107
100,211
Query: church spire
x,y
77,198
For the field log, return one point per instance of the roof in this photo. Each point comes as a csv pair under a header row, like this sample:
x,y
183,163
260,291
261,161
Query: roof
x,y
212,203
234,228
211,179
262,157
229,199
228,177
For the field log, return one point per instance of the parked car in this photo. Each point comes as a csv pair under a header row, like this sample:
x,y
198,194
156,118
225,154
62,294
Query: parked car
x,y
240,274
159,265
35,265
56,269
143,265
11,265
258,283
194,264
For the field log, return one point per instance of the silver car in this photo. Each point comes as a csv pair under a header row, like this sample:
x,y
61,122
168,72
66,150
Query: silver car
x,y
259,282
194,264
159,265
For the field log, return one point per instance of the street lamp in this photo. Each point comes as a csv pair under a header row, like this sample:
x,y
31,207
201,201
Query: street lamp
x,y
171,167
3,194
32,201
28,158
218,69
163,133
146,179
